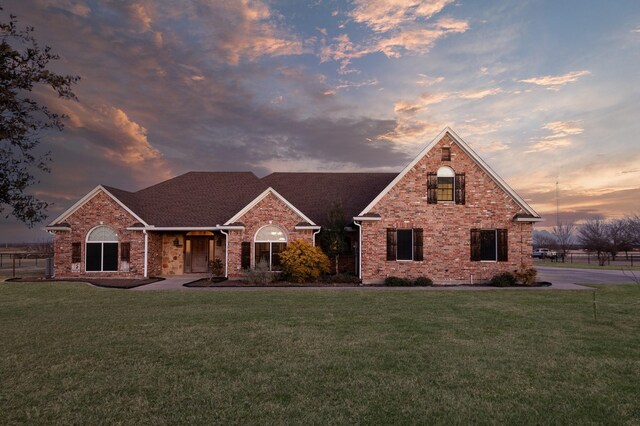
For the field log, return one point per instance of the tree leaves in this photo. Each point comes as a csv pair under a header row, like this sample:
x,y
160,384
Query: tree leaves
x,y
23,65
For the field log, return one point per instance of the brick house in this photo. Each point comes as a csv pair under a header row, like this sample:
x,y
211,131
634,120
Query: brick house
x,y
446,216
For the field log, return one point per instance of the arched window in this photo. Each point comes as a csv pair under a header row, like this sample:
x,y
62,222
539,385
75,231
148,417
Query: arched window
x,y
445,184
102,250
270,241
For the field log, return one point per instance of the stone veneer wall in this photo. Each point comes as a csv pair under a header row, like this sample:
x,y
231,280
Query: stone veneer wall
x,y
99,210
172,256
270,210
446,225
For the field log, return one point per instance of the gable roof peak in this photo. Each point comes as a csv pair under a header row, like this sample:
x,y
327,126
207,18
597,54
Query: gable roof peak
x,y
472,154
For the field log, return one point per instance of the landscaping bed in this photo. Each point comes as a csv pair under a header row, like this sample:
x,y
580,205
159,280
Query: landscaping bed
x,y
238,283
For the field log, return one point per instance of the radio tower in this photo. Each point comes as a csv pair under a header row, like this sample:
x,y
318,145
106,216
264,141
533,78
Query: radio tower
x,y
557,202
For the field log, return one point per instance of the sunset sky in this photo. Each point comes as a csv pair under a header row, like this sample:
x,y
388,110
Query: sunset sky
x,y
542,90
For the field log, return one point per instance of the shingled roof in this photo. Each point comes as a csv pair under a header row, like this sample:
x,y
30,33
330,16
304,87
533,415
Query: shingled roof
x,y
203,199
315,194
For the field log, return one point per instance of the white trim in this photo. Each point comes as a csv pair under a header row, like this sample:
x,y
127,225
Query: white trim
x,y
226,253
313,237
463,145
260,198
359,249
146,254
88,197
367,218
305,227
57,228
529,219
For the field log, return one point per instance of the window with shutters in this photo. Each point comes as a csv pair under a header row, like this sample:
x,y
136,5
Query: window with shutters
x,y
101,250
404,244
489,245
445,186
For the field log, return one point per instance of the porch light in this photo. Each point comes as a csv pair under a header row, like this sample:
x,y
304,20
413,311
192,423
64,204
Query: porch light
x,y
176,242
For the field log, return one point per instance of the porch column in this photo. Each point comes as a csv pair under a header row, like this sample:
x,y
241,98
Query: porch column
x,y
226,253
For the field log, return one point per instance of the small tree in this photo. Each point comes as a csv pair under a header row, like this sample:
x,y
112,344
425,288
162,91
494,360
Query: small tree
x,y
543,239
564,235
302,262
24,64
594,236
620,236
333,236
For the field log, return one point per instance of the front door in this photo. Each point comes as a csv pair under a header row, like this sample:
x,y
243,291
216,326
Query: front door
x,y
199,254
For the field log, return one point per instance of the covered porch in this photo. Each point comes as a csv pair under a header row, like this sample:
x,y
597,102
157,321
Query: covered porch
x,y
191,252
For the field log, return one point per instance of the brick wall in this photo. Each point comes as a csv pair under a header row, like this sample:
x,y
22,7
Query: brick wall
x,y
446,225
99,210
269,211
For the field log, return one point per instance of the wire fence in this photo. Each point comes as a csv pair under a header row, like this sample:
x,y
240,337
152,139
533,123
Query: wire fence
x,y
18,264
589,258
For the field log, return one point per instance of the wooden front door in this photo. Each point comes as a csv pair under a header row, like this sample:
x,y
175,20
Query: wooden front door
x,y
199,254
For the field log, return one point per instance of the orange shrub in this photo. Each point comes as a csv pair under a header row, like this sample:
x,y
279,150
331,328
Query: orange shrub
x,y
302,262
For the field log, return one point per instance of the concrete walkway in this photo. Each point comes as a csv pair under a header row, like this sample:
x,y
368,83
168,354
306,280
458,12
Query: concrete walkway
x,y
176,283
171,282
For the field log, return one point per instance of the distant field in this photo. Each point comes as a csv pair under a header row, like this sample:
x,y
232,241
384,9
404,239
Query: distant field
x,y
70,353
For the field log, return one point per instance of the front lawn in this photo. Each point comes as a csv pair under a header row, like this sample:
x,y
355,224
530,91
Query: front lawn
x,y
70,353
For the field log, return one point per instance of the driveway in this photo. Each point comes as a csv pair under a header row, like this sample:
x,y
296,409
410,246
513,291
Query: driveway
x,y
584,276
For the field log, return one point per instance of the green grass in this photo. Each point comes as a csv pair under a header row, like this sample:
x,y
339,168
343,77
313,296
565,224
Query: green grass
x,y
70,353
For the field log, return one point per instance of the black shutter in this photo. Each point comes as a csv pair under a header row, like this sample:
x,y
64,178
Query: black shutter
x,y
417,244
503,246
391,244
76,256
125,252
245,257
475,245
459,185
432,188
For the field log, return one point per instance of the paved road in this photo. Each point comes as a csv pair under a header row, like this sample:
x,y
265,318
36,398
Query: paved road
x,y
584,276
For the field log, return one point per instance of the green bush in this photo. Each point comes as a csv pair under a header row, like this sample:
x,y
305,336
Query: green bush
x,y
397,282
505,279
260,274
423,282
526,276
301,262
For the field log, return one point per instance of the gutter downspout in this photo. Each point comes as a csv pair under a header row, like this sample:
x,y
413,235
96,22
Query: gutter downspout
x,y
146,253
226,253
314,237
359,249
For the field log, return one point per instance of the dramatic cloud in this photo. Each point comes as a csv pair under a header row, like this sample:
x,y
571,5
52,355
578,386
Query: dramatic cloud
x,y
559,137
555,81
479,94
426,80
418,41
384,15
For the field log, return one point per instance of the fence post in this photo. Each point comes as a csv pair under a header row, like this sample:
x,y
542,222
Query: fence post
x,y
14,266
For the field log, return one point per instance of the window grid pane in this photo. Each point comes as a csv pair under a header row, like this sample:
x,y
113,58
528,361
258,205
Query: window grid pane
x,y
445,189
102,233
